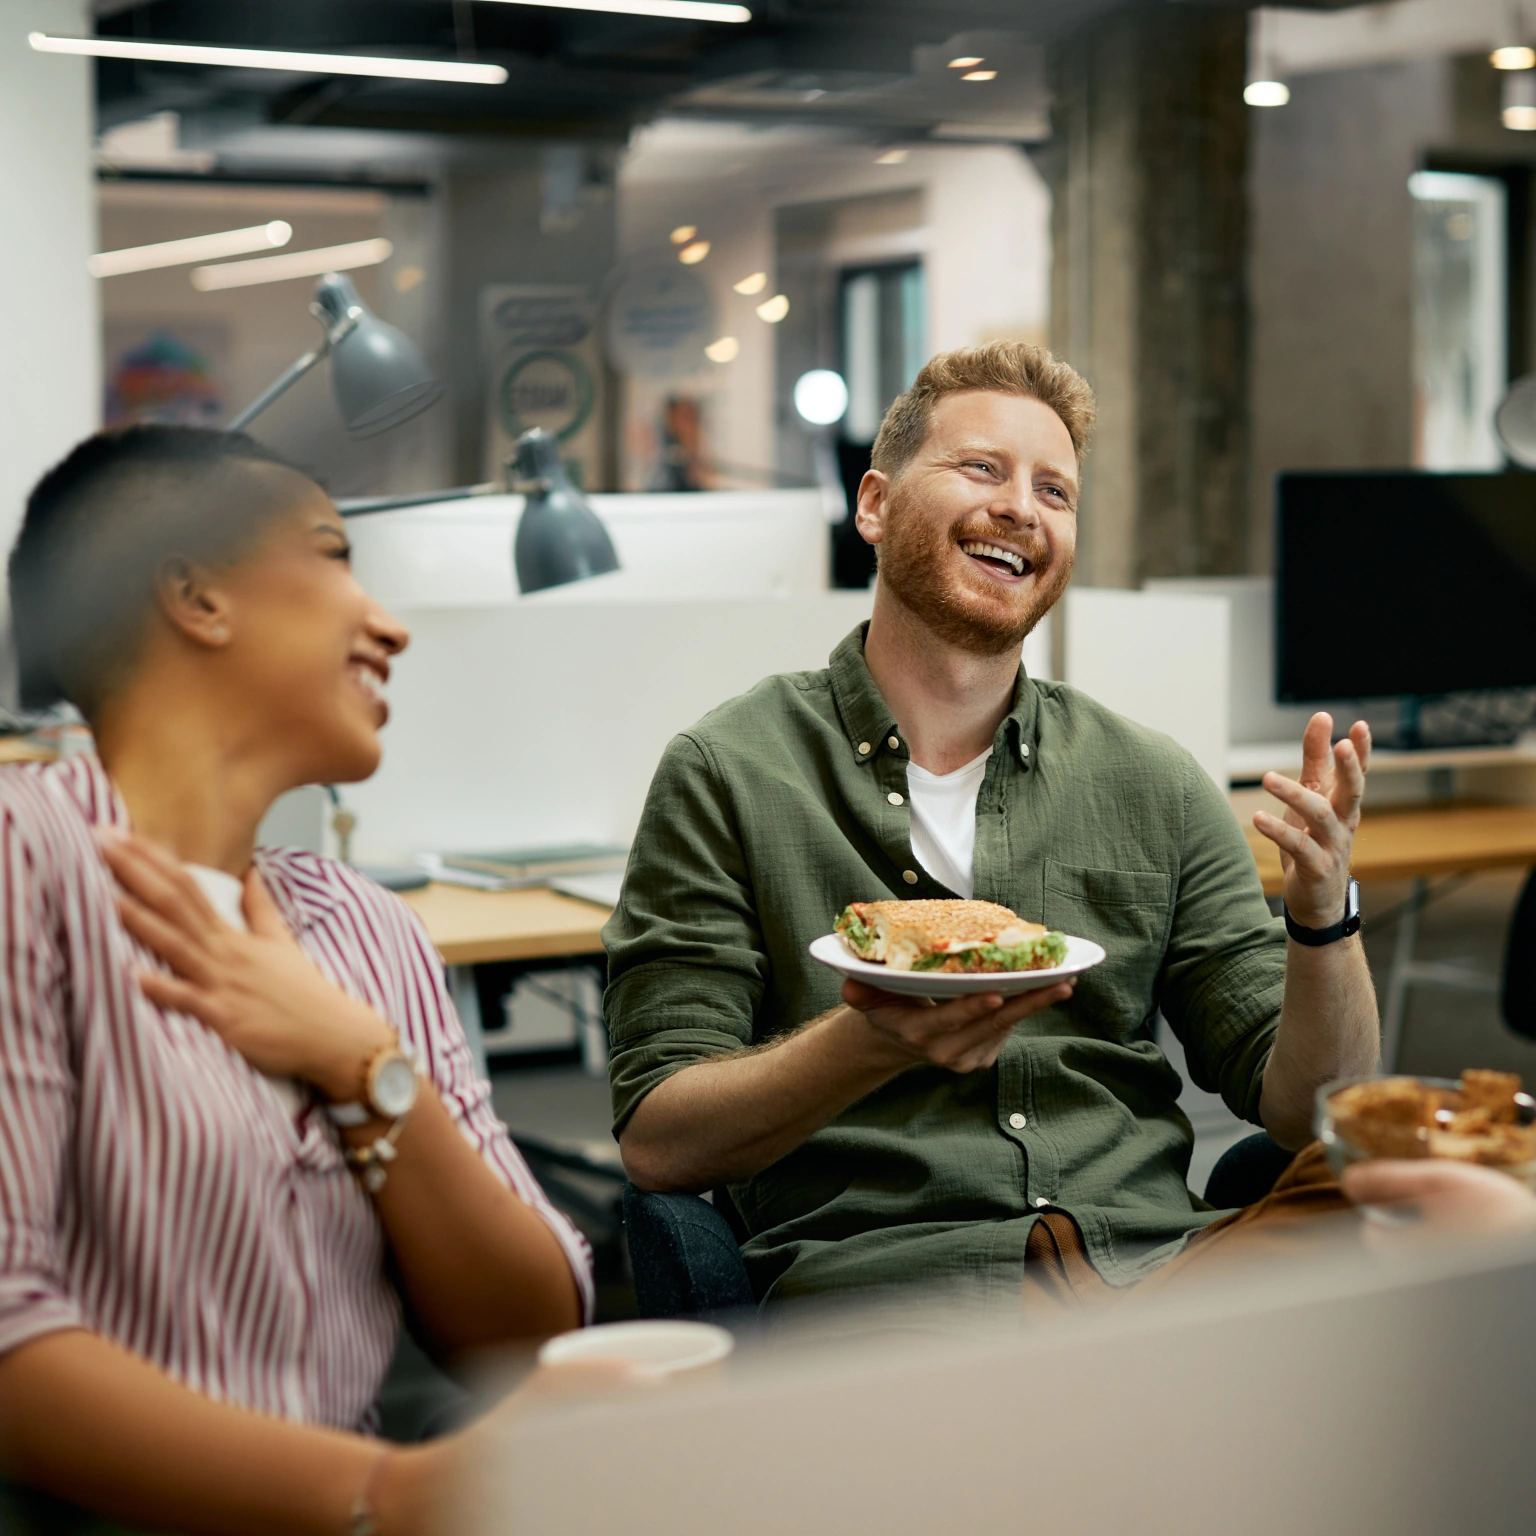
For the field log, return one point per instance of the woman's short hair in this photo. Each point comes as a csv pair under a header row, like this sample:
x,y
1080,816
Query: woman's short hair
x,y
1006,367
100,524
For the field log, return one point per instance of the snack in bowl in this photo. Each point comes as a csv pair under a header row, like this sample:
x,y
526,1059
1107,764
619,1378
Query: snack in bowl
x,y
1484,1119
952,937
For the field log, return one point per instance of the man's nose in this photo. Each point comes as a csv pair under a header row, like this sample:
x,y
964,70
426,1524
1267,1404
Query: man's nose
x,y
1016,502
388,630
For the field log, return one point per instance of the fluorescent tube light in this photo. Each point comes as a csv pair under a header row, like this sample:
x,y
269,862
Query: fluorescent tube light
x,y
277,269
672,10
270,58
177,253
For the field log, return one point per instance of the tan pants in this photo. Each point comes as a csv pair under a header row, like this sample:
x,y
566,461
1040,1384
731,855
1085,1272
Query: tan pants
x,y
1057,1271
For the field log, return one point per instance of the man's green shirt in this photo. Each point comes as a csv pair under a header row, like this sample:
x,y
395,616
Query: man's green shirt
x,y
782,806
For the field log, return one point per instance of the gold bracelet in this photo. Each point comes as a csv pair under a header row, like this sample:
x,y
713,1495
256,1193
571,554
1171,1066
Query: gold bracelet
x,y
372,1162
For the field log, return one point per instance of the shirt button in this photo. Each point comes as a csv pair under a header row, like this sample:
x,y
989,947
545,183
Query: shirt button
x,y
1024,750
894,743
894,798
1017,1121
1041,1200
910,876
864,749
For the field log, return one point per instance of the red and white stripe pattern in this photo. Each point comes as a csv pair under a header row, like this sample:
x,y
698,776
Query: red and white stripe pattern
x,y
153,1187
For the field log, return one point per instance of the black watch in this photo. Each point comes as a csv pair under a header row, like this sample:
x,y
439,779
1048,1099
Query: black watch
x,y
1315,938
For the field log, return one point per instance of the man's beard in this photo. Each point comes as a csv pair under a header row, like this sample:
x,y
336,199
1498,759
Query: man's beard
x,y
913,556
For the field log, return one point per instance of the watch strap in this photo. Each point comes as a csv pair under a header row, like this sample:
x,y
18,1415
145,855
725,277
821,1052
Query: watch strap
x,y
1316,938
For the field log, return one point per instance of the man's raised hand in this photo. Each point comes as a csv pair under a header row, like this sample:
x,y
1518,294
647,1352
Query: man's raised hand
x,y
1317,833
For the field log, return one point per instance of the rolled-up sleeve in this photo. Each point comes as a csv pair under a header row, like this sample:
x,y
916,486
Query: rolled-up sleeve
x,y
37,1104
1223,977
686,961
430,1025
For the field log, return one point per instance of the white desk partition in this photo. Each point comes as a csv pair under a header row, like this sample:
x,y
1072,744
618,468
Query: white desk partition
x,y
458,554
542,722
1160,659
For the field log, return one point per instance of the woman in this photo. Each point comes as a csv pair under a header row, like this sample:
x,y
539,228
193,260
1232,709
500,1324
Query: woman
x,y
239,1123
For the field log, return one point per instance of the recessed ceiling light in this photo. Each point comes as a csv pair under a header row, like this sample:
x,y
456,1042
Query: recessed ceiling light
x,y
177,253
277,269
1522,119
753,283
1266,93
692,255
722,351
684,233
672,10
891,157
773,310
271,58
980,74
1516,56
968,61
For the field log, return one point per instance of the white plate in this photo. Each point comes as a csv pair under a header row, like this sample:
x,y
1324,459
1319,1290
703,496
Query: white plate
x,y
1082,955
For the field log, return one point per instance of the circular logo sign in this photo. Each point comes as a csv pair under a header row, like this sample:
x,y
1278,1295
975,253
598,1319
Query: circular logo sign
x,y
547,389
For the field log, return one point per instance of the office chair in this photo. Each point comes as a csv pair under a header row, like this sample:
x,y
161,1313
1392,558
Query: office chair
x,y
685,1253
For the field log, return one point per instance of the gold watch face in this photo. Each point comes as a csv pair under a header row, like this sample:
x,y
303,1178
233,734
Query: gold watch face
x,y
393,1087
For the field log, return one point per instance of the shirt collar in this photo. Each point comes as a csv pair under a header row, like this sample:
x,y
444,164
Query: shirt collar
x,y
302,902
871,728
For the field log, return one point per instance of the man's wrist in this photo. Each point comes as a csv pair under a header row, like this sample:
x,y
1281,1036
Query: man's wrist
x,y
869,1046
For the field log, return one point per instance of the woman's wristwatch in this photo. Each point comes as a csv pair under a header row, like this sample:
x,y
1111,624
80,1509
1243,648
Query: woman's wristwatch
x,y
390,1087
389,1090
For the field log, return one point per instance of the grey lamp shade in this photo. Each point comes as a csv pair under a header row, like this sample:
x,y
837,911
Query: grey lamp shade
x,y
559,537
378,374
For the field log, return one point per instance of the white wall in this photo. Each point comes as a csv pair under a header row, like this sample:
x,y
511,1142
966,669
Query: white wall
x,y
985,242
50,396
539,723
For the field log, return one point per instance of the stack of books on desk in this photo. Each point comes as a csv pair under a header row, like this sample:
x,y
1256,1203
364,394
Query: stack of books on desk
x,y
514,868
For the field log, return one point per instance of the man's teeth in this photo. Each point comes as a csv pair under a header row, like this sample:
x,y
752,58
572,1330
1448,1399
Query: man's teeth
x,y
994,552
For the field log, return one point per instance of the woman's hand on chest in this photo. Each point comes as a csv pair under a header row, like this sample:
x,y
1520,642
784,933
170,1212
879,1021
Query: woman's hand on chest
x,y
258,991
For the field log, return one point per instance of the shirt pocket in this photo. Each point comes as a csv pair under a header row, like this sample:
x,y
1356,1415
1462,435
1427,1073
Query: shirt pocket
x,y
1127,911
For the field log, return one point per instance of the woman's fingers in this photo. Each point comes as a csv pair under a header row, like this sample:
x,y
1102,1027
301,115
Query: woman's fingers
x,y
159,882
186,956
261,914
178,996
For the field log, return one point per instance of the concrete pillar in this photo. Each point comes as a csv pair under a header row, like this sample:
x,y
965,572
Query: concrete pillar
x,y
50,343
1148,298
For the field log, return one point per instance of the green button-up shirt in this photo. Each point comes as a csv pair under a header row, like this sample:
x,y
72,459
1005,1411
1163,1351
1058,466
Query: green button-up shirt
x,y
780,807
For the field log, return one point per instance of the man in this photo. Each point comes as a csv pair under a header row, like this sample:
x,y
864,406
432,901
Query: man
x,y
878,1142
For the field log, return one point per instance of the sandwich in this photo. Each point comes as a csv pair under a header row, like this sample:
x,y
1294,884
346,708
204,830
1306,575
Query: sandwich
x,y
956,937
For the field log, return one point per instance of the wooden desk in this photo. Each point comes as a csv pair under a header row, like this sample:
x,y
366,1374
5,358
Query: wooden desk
x,y
474,927
1422,841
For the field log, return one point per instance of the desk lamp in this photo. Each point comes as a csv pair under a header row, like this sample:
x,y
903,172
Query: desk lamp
x,y
378,374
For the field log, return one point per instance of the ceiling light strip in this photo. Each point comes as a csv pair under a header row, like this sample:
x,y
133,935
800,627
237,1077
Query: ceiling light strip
x,y
178,253
271,58
277,269
671,10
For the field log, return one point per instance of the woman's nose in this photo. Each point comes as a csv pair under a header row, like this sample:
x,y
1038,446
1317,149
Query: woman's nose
x,y
388,631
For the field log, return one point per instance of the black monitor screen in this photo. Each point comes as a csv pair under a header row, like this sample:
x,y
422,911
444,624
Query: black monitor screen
x,y
1403,583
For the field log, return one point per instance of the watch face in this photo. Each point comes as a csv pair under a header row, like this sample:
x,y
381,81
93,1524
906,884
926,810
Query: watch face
x,y
393,1089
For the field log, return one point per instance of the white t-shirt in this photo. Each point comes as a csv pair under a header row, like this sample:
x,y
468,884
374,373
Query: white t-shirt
x,y
944,821
226,895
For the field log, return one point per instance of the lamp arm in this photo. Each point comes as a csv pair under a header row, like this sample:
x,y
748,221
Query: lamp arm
x,y
357,506
295,371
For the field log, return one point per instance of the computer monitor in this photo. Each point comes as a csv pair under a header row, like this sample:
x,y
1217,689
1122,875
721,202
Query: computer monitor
x,y
1402,583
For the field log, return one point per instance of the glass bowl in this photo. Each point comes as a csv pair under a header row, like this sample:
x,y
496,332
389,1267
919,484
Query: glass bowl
x,y
1341,1152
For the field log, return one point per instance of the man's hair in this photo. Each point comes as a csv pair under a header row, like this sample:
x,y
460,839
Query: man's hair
x,y
1006,367
99,526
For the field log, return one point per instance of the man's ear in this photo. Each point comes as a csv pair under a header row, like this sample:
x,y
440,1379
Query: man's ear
x,y
870,509
193,603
